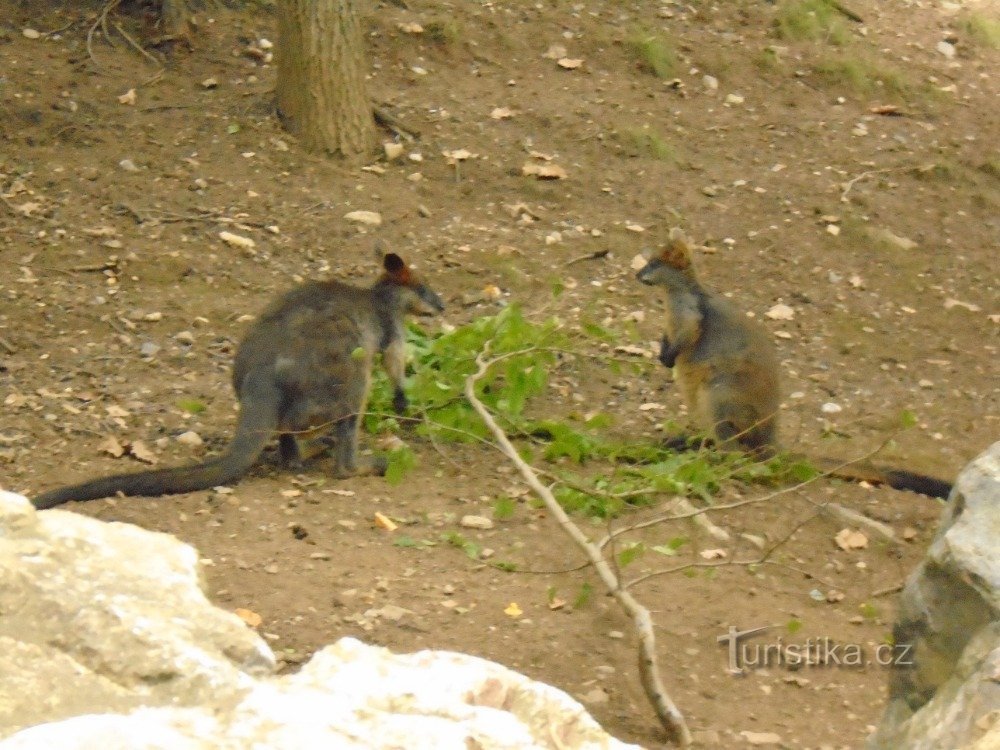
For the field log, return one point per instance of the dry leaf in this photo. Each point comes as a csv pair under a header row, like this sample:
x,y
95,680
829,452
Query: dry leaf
x,y
544,171
142,452
887,110
513,610
459,154
112,447
410,27
950,303
501,113
251,618
384,522
780,312
557,604
237,240
371,218
848,539
569,63
128,98
713,554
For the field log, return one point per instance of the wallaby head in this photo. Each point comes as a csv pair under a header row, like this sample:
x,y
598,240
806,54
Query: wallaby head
x,y
414,296
674,256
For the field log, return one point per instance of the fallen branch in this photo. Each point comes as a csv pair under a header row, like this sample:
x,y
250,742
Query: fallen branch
x,y
668,714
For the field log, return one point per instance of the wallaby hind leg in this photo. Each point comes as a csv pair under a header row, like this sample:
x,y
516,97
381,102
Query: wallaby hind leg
x,y
288,451
348,463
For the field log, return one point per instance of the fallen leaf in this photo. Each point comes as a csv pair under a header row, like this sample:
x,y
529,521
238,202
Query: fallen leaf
x,y
569,63
128,98
513,610
251,618
557,604
950,303
371,218
501,113
410,27
237,240
544,171
384,522
848,539
713,554
112,447
142,452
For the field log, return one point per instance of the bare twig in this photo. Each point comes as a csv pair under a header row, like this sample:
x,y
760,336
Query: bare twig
x,y
847,186
845,11
668,714
102,22
596,255
136,46
894,589
393,123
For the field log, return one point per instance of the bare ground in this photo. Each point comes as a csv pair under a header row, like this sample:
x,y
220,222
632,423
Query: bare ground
x,y
100,260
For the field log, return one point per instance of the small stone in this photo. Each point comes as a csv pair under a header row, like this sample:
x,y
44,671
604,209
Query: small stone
x,y
832,229
237,240
710,82
368,218
190,438
210,83
476,522
128,165
184,337
149,349
392,150
831,408
31,34
946,48
734,99
616,635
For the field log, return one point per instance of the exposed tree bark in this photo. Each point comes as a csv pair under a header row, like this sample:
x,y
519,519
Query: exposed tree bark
x,y
321,92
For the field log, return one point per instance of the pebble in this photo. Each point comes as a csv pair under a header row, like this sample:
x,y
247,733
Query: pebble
x,y
476,522
369,218
190,438
128,165
31,34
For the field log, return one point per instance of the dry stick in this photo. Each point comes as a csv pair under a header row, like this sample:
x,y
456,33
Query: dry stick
x,y
670,717
137,47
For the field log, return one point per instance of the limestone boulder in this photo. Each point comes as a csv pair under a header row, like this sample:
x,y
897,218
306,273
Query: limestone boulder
x,y
944,693
109,642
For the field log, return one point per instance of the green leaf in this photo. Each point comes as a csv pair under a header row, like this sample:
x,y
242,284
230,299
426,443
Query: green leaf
x,y
358,353
630,554
191,405
401,461
503,508
793,626
583,595
233,129
908,419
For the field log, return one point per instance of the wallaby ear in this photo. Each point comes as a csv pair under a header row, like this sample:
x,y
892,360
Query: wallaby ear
x,y
677,238
677,252
393,264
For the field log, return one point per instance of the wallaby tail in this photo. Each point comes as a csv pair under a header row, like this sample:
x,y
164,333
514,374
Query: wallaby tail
x,y
258,421
898,479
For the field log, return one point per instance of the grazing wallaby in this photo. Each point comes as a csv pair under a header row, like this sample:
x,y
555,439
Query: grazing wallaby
x,y
303,369
727,369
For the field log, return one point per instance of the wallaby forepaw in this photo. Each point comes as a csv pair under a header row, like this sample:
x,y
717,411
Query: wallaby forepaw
x,y
668,355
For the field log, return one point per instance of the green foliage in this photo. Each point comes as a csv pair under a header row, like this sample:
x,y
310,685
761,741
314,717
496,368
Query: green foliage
x,y
812,20
455,539
583,595
401,461
860,75
597,474
793,626
652,53
503,508
982,29
191,405
631,553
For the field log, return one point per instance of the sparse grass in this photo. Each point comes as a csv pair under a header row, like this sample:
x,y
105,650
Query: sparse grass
x,y
444,32
768,60
813,20
861,76
981,29
991,167
652,53
647,142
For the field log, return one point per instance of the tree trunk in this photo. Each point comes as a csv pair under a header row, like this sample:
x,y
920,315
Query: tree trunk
x,y
321,90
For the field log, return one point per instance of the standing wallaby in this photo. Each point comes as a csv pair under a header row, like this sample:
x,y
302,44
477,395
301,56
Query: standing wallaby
x,y
727,369
303,369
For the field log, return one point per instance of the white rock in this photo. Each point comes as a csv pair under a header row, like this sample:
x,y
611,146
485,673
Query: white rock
x,y
946,48
190,438
237,240
476,522
369,218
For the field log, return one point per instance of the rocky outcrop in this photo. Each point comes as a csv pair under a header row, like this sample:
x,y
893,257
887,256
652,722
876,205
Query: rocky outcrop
x,y
945,693
108,641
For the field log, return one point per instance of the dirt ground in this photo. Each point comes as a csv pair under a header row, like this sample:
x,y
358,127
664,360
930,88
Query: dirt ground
x,y
878,227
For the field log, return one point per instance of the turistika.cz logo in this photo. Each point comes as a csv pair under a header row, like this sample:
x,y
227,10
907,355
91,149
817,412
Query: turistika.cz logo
x,y
745,655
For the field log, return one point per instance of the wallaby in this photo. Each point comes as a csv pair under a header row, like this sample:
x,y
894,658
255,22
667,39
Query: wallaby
x,y
303,369
727,370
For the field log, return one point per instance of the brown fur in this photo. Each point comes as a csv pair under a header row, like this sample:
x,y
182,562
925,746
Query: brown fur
x,y
727,369
303,370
